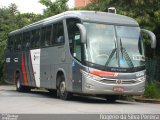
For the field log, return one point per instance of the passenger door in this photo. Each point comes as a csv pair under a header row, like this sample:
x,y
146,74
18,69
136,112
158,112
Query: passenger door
x,y
76,52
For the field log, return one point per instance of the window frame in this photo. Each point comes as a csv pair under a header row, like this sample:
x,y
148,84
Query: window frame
x,y
72,44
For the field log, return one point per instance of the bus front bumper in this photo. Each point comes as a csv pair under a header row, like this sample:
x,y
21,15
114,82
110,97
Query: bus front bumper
x,y
91,86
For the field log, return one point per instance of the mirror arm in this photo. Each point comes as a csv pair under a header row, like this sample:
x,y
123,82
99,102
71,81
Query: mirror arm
x,y
82,32
152,37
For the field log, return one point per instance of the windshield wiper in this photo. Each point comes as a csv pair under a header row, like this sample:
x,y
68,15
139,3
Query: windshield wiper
x,y
112,54
121,48
125,54
110,57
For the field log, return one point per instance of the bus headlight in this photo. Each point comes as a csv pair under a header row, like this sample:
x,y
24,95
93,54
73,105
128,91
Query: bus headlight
x,y
91,76
141,79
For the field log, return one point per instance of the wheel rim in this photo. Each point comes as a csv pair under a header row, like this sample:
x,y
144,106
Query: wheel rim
x,y
18,84
62,88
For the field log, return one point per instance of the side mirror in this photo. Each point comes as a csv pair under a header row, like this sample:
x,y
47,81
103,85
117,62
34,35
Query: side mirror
x,y
82,32
152,37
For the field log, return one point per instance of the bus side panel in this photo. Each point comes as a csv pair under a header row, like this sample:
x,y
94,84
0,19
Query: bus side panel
x,y
27,77
77,76
46,59
53,59
29,69
12,66
19,62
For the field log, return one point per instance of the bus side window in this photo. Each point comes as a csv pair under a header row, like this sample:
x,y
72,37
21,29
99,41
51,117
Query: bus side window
x,y
77,46
53,34
20,42
35,38
10,44
26,40
17,42
59,34
46,36
43,30
74,38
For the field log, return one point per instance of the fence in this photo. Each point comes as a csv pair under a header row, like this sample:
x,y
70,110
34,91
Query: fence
x,y
153,69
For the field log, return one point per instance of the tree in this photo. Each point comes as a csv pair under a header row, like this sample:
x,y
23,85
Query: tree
x,y
27,18
4,16
11,19
13,9
53,8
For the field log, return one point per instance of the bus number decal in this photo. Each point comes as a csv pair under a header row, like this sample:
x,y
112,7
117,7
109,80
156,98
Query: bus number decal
x,y
8,60
15,59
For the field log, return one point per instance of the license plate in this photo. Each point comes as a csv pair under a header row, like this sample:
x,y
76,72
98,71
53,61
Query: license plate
x,y
118,89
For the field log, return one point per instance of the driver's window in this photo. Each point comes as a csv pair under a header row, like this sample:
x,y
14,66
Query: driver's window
x,y
74,38
77,46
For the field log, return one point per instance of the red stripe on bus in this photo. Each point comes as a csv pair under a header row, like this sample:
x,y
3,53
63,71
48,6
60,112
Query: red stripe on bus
x,y
103,73
24,71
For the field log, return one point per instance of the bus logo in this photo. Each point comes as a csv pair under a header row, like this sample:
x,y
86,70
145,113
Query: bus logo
x,y
119,81
35,57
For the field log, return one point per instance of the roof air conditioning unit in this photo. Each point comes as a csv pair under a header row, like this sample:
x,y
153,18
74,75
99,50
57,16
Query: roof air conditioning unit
x,y
112,10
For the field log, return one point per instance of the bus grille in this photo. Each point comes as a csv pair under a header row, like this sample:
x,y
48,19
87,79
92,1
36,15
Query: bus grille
x,y
122,81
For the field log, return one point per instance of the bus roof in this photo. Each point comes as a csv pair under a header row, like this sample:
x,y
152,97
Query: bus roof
x,y
90,16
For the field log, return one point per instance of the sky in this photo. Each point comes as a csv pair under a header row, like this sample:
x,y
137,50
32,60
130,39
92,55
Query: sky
x,y
29,5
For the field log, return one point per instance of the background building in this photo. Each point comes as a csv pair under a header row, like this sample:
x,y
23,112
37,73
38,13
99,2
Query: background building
x,y
81,3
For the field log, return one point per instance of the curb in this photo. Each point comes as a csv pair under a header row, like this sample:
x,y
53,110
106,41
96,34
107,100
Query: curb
x,y
146,100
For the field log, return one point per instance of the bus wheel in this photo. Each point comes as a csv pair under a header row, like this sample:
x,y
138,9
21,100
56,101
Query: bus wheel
x,y
19,87
62,92
111,98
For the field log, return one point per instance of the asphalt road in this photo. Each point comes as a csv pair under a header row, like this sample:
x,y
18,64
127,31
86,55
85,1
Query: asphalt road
x,y
40,102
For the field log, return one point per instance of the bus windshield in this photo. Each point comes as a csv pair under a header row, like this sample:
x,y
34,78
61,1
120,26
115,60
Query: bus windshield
x,y
114,46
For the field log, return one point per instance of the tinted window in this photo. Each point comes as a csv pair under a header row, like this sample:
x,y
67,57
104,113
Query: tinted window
x,y
77,46
35,38
43,30
17,42
26,40
54,28
10,43
59,39
46,36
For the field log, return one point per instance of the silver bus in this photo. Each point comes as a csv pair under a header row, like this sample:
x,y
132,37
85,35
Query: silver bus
x,y
80,52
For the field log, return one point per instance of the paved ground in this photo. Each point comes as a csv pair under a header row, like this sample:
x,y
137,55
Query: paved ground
x,y
38,102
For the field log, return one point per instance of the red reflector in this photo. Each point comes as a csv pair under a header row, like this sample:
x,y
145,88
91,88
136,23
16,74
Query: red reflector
x,y
104,73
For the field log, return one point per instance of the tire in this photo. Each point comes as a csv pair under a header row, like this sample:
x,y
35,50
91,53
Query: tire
x,y
111,98
62,92
19,86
